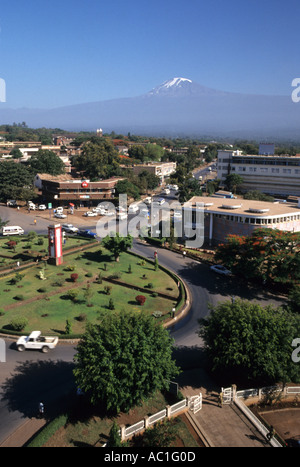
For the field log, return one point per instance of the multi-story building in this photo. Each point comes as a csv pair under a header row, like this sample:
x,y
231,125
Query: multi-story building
x,y
64,189
223,217
162,170
271,174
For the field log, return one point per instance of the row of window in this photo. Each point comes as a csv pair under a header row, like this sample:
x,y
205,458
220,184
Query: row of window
x,y
267,170
257,220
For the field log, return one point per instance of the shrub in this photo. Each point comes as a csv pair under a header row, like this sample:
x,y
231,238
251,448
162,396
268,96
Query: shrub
x,y
74,277
11,244
81,317
89,274
107,289
111,304
72,295
19,297
40,241
150,285
18,324
42,290
140,299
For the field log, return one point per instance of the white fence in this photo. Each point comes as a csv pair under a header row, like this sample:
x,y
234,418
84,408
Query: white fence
x,y
147,422
238,398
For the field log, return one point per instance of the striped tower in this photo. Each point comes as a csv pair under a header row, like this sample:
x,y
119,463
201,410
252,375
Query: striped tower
x,y
55,244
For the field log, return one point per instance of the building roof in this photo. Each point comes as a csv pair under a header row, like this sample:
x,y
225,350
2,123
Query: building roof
x,y
244,207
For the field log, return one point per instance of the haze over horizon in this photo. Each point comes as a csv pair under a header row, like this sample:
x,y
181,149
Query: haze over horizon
x,y
71,52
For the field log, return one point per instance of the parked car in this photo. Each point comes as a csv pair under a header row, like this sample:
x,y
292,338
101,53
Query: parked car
x,y
42,207
69,228
133,208
59,210
219,269
87,233
60,216
31,205
166,191
99,211
12,203
90,214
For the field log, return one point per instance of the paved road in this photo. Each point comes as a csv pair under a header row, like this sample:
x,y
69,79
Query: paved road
x,y
30,377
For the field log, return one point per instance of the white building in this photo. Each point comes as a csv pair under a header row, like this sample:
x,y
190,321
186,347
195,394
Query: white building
x,y
275,175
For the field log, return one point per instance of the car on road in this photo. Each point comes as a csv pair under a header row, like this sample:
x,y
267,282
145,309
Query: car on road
x,y
12,230
60,216
35,341
147,200
90,214
69,228
87,233
42,207
219,269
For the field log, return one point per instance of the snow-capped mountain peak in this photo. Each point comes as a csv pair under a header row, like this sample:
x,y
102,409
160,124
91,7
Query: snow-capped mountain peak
x,y
181,87
176,82
171,85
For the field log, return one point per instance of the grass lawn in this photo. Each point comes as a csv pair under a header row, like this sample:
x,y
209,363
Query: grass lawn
x,y
25,247
46,303
87,428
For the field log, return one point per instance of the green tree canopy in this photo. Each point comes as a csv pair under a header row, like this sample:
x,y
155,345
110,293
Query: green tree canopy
x,y
16,181
245,340
99,159
117,244
233,182
268,255
45,161
124,360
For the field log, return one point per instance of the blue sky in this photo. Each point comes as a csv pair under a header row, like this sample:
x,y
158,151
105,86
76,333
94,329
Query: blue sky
x,y
73,51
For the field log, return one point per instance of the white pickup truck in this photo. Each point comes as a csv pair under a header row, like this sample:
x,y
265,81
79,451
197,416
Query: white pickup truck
x,y
35,341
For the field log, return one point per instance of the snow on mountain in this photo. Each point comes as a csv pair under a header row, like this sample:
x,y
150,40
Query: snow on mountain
x,y
176,87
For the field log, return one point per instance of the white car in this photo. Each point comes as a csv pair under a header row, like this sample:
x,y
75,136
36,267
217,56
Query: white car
x,y
42,207
69,228
59,210
133,208
32,206
166,191
174,187
60,216
109,213
220,270
90,214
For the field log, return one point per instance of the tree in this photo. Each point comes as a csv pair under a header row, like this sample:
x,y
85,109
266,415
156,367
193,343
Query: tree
x,y
99,159
16,181
233,182
124,360
114,438
45,161
125,186
189,188
117,244
266,256
244,340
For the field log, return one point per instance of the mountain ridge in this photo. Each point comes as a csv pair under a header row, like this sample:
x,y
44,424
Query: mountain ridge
x,y
177,106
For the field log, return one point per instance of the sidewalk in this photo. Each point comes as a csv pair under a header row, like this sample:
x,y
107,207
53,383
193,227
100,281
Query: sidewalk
x,y
222,426
23,433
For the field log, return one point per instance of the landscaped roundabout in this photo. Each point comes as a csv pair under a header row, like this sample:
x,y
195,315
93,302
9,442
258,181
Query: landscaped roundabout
x,y
60,300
